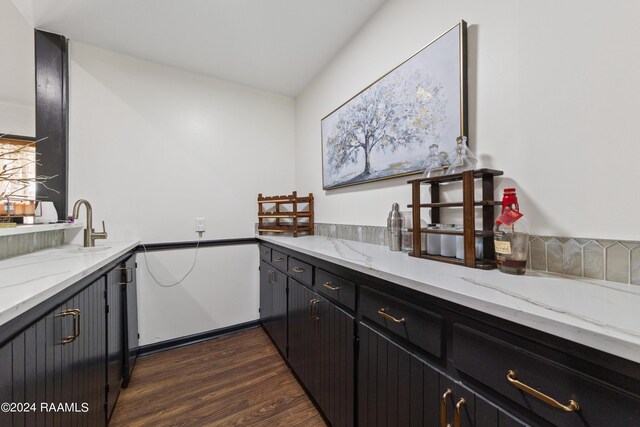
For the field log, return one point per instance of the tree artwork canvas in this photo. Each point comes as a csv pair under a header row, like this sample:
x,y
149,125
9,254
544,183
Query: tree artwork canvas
x,y
386,130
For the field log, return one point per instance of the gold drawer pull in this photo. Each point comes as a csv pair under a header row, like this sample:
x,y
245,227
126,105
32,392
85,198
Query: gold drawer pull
x,y
297,270
443,408
456,417
382,312
128,273
331,288
572,406
76,324
264,252
313,309
278,260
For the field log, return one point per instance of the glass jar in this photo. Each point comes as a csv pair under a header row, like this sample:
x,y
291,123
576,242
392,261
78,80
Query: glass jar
x,y
435,164
448,241
460,243
461,158
433,240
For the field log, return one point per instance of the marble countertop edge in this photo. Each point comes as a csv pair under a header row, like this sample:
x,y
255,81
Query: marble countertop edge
x,y
475,289
53,278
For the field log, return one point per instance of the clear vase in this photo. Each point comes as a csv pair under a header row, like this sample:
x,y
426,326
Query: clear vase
x,y
461,158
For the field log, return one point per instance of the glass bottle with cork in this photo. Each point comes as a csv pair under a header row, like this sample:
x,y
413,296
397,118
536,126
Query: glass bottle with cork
x,y
511,236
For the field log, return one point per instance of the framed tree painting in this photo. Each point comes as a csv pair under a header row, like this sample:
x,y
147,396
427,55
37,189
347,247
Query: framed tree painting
x,y
385,130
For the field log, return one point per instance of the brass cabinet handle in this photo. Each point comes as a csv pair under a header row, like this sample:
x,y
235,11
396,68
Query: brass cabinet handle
x,y
297,270
76,324
572,406
271,277
313,311
456,417
382,312
278,259
331,288
443,408
264,252
128,272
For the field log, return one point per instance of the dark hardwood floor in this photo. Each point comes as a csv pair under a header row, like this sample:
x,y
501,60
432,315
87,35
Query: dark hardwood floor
x,y
236,380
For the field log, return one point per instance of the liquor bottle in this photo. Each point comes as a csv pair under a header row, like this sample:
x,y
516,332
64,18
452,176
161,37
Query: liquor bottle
x,y
511,237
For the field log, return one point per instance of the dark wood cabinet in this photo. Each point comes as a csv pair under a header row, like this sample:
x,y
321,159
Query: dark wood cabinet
x,y
66,358
115,338
395,388
129,327
122,328
321,352
423,361
58,365
273,304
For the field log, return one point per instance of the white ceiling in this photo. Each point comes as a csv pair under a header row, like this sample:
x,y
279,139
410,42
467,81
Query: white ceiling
x,y
275,45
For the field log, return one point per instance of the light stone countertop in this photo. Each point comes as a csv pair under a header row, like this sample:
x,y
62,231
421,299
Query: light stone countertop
x,y
598,314
37,228
28,280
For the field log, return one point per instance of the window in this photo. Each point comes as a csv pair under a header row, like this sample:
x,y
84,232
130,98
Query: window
x,y
17,168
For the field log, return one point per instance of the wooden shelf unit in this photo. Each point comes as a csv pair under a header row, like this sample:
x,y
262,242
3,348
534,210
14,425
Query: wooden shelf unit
x,y
272,222
468,206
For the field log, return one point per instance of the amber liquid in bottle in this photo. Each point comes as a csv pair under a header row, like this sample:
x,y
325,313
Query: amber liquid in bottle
x,y
511,241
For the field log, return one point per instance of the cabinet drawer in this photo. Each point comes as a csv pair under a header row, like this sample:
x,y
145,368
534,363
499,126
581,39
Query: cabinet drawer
x,y
490,360
301,271
336,288
279,260
417,325
265,253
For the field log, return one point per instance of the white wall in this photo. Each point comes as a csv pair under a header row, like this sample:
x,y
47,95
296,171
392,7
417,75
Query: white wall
x,y
17,73
553,101
152,148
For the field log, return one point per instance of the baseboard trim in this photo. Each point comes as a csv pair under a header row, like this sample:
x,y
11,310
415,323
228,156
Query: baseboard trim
x,y
148,349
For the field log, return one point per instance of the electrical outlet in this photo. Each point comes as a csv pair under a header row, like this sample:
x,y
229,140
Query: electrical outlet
x,y
200,225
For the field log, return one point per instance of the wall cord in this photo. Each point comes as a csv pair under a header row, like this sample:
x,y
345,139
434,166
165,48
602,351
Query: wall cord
x,y
146,262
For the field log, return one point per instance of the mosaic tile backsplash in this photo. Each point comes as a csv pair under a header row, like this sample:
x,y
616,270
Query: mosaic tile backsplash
x,y
22,244
616,261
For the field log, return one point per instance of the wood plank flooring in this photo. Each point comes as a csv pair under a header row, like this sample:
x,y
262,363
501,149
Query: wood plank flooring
x,y
236,380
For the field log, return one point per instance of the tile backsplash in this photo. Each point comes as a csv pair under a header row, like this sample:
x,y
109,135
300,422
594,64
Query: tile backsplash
x,y
21,244
616,261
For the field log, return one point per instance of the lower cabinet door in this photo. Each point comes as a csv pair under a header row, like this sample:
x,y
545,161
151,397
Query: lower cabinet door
x,y
85,374
321,352
303,335
273,305
395,388
266,272
115,341
462,407
57,366
335,363
129,318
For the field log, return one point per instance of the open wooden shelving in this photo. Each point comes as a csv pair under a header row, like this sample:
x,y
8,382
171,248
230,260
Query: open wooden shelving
x,y
283,220
468,205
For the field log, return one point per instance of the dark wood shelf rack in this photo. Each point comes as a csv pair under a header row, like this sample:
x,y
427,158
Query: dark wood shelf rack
x,y
280,220
468,205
